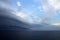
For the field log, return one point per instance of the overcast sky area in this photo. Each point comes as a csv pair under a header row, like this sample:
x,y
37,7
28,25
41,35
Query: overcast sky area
x,y
37,11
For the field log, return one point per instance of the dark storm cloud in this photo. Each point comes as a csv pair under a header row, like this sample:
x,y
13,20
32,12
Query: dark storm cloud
x,y
5,7
7,17
6,10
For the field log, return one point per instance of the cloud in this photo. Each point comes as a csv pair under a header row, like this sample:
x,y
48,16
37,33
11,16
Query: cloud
x,y
54,3
49,7
25,17
28,17
20,14
6,8
56,24
19,4
24,14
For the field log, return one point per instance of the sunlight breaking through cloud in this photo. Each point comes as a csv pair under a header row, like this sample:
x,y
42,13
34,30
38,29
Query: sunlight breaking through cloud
x,y
56,24
29,18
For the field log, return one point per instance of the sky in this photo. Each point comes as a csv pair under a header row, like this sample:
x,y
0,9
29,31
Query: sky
x,y
38,11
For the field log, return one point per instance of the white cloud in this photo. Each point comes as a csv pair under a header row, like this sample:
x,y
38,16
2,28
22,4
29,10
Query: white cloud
x,y
54,3
48,4
49,7
45,8
19,4
25,17
29,17
20,14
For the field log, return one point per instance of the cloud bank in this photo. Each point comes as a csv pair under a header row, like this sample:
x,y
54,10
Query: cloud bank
x,y
24,14
49,7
